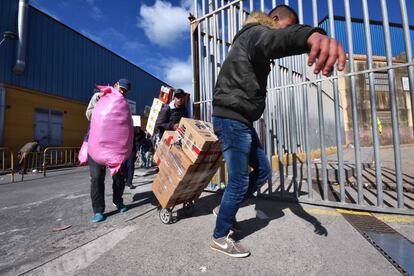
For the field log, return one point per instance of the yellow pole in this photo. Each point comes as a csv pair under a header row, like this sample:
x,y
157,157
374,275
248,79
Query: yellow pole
x,y
12,165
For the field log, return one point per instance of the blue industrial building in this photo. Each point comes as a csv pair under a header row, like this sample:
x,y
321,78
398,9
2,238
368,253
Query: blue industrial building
x,y
377,35
48,74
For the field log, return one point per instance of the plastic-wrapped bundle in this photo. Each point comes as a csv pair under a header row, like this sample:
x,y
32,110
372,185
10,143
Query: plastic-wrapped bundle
x,y
111,132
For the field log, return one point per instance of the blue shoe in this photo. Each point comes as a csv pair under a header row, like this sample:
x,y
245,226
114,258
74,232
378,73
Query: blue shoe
x,y
98,217
121,207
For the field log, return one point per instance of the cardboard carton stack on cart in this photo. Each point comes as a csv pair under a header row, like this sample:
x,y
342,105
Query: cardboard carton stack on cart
x,y
187,159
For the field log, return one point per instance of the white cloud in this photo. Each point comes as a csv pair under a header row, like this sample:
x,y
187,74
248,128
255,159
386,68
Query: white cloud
x,y
96,11
163,23
133,45
179,74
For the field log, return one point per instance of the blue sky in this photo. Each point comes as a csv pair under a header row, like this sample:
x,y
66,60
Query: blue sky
x,y
154,34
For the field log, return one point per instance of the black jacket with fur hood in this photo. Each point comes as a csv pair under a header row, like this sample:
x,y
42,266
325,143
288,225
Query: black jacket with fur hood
x,y
240,91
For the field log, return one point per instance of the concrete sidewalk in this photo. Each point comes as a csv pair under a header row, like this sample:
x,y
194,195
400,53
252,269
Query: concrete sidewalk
x,y
284,238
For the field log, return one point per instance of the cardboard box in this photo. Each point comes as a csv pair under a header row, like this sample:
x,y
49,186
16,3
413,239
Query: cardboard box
x,y
164,146
179,179
152,118
165,94
198,140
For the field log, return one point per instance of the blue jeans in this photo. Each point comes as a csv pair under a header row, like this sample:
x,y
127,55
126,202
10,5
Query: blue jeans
x,y
241,148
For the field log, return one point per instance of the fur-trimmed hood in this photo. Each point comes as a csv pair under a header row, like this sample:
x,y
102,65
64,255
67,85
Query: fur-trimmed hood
x,y
262,19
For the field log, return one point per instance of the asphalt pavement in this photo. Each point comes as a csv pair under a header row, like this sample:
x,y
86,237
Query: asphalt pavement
x,y
46,229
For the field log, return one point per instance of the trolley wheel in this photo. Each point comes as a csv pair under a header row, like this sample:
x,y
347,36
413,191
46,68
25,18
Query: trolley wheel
x,y
166,215
188,208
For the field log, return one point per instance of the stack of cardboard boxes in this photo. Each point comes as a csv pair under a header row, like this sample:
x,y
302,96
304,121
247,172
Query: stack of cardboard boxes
x,y
187,159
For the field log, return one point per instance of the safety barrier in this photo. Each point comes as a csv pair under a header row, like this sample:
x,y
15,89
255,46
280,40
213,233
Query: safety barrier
x,y
56,157
306,112
7,162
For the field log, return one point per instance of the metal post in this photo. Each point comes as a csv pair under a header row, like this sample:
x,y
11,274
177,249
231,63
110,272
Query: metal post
x,y
321,118
337,113
223,33
355,124
378,179
408,51
394,108
306,114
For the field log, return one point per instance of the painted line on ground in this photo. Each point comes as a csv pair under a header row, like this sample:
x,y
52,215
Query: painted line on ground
x,y
382,217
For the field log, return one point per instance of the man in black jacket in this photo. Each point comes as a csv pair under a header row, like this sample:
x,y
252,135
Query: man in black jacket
x,y
171,114
239,100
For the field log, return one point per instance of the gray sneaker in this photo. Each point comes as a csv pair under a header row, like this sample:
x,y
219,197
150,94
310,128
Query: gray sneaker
x,y
228,246
235,227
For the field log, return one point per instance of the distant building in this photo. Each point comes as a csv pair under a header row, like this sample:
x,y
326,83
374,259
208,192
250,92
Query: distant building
x,y
49,75
381,83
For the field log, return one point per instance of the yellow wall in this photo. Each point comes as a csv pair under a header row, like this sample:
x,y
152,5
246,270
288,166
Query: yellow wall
x,y
20,117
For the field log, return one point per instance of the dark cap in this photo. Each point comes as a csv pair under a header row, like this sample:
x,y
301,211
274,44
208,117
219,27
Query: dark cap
x,y
179,91
124,83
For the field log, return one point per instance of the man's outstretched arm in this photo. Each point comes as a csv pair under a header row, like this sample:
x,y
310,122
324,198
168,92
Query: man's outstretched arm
x,y
327,51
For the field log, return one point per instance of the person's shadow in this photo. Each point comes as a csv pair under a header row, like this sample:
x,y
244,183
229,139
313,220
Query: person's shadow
x,y
139,199
266,211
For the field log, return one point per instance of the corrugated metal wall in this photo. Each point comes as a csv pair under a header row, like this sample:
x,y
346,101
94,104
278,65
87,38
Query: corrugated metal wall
x,y
62,62
377,36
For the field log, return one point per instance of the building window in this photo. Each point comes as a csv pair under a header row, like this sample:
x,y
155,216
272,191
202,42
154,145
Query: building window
x,y
48,127
380,81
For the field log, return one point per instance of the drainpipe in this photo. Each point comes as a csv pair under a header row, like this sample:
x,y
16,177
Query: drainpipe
x,y
22,19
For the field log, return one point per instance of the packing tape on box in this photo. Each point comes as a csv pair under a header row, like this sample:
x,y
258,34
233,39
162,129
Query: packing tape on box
x,y
207,156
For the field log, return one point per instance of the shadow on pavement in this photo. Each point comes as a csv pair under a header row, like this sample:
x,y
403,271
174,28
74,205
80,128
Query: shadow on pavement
x,y
266,211
139,199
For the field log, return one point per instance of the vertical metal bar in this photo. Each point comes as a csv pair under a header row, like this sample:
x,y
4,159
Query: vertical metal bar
x,y
280,131
203,64
251,6
241,14
229,26
207,66
355,124
408,51
378,179
321,118
194,63
199,63
268,129
394,108
338,123
210,60
306,114
215,50
223,34
262,5
234,21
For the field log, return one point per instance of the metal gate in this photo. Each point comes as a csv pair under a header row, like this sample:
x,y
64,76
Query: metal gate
x,y
328,141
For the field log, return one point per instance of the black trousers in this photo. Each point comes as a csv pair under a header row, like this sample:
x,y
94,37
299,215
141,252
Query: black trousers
x,y
97,173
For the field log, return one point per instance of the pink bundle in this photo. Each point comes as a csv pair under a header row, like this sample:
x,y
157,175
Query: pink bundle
x,y
111,132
